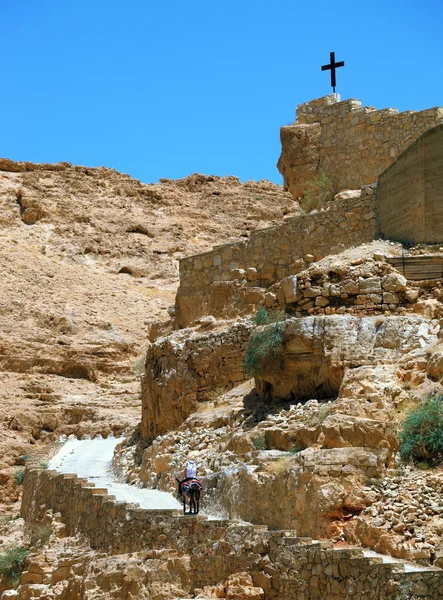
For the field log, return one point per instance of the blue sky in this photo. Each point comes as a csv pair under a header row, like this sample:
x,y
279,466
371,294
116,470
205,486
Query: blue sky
x,y
167,88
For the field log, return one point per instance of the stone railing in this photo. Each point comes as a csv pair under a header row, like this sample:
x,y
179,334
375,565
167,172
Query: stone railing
x,y
274,253
284,565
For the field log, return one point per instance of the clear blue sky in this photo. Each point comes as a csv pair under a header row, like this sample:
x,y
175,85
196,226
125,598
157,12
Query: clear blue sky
x,y
165,88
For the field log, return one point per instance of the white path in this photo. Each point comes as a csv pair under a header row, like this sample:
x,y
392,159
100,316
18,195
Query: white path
x,y
92,460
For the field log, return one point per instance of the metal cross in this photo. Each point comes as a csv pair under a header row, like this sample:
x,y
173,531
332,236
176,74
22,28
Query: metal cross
x,y
332,66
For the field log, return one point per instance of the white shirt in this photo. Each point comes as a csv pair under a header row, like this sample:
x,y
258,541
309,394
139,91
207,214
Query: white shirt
x,y
191,469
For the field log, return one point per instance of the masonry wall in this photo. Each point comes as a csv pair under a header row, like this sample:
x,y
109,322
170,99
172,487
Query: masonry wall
x,y
351,143
285,566
410,192
274,253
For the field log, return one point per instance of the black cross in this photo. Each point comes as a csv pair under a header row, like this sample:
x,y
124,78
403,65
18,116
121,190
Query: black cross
x,y
332,66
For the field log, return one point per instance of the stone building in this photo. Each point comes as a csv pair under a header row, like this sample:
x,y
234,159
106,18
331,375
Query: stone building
x,y
350,143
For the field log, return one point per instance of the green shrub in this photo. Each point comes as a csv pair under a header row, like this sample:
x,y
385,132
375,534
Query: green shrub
x,y
19,476
265,349
11,563
261,316
295,450
43,464
421,435
260,443
264,317
23,458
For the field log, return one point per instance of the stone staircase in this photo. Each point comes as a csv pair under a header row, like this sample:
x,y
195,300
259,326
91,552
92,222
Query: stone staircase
x,y
281,562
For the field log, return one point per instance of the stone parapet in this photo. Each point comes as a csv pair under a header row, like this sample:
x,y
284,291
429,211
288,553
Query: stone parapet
x,y
284,565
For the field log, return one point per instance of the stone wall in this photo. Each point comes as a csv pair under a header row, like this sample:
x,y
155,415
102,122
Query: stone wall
x,y
183,368
410,192
273,253
284,565
350,143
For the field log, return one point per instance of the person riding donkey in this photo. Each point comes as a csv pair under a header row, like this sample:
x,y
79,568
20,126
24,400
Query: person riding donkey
x,y
190,487
189,473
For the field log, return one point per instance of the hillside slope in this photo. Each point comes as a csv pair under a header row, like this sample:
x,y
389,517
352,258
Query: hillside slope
x,y
88,259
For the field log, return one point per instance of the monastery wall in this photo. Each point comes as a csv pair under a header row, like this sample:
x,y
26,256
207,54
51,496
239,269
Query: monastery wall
x,y
410,192
285,566
273,253
352,144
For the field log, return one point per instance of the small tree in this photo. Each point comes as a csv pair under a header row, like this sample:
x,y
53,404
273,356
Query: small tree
x,y
11,564
421,435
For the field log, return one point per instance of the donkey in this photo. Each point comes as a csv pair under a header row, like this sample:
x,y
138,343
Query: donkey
x,y
190,492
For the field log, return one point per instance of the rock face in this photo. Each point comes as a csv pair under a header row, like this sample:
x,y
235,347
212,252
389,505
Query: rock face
x,y
184,369
318,350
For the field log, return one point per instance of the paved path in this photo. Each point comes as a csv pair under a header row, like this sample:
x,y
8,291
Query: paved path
x,y
92,460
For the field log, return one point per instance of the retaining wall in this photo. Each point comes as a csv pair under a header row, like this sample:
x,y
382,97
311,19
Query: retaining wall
x,y
285,566
274,253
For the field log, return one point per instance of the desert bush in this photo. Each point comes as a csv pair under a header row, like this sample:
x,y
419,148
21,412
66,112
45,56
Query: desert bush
x,y
19,476
139,364
261,316
265,349
421,435
40,534
264,317
318,191
11,563
43,464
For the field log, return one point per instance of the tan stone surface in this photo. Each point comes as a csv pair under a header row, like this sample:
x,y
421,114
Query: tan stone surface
x,y
352,144
409,197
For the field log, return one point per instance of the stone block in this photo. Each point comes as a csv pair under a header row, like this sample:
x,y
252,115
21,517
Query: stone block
x,y
289,287
370,285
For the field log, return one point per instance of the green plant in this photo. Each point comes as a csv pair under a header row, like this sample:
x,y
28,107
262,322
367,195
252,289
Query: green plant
x,y
260,443
43,464
23,458
421,435
295,450
317,192
261,316
19,476
139,364
265,349
11,563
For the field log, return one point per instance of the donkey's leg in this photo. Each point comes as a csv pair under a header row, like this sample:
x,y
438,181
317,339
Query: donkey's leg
x,y
184,505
